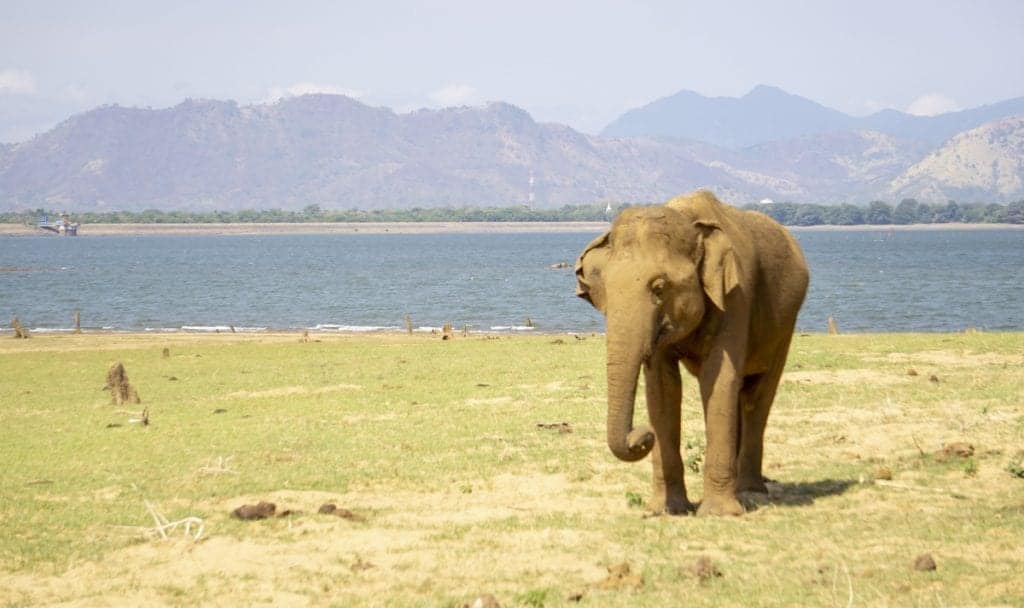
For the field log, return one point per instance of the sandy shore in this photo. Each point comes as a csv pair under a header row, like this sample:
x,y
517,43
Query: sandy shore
x,y
418,228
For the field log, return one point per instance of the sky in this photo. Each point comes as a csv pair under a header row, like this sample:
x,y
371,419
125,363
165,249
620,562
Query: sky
x,y
581,63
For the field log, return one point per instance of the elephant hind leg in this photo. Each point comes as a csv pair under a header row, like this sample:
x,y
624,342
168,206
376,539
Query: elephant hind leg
x,y
755,401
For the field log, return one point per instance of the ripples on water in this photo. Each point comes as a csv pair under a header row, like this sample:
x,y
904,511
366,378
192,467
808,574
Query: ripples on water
x,y
943,280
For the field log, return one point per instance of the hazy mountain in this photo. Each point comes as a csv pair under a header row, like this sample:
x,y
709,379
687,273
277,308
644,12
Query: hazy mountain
x,y
986,163
336,152
935,130
834,167
764,114
768,114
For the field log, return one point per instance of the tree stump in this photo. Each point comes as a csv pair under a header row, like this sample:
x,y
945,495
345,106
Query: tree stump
x,y
121,391
19,331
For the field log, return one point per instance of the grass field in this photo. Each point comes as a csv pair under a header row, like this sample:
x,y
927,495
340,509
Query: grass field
x,y
457,492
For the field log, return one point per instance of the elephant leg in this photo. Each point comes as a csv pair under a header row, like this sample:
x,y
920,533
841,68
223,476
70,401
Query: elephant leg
x,y
755,402
720,387
664,397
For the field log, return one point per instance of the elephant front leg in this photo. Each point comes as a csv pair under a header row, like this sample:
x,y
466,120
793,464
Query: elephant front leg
x,y
719,386
664,396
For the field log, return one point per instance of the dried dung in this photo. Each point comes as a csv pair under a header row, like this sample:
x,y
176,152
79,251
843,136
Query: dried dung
x,y
261,510
957,449
561,427
705,570
333,509
619,577
924,563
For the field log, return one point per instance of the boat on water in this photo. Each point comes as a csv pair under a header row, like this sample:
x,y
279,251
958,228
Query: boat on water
x,y
63,227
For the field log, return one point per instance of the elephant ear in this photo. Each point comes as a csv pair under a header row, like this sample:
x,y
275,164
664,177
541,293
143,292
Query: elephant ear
x,y
719,268
588,267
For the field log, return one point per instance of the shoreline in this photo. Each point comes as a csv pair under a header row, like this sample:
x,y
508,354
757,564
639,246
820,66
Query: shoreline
x,y
318,228
422,332
429,228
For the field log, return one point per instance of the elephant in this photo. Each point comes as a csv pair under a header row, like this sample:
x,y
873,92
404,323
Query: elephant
x,y
717,289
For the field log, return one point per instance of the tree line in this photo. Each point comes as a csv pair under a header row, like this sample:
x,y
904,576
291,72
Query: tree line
x,y
907,211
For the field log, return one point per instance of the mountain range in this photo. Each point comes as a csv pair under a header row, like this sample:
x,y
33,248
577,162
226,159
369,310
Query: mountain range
x,y
337,152
770,114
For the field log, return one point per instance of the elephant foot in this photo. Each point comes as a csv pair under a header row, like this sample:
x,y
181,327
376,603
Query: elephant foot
x,y
670,502
753,484
720,506
671,508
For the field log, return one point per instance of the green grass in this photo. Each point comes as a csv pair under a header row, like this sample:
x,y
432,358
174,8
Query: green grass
x,y
436,443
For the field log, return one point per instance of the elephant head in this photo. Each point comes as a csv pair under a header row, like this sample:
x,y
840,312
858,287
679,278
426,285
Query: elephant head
x,y
656,275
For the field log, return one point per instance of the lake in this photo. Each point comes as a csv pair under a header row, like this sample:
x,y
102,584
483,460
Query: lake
x,y
870,281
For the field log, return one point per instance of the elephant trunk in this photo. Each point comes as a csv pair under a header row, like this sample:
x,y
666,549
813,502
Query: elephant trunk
x,y
625,356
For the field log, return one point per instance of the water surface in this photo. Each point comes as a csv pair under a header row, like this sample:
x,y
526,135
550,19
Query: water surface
x,y
868,280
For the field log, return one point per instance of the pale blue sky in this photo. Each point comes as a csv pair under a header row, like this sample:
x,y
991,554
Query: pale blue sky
x,y
579,63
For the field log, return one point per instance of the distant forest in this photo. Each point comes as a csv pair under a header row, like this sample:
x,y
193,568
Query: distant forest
x,y
907,211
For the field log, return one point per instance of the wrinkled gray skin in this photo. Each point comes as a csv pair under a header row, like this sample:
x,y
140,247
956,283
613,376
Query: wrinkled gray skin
x,y
716,289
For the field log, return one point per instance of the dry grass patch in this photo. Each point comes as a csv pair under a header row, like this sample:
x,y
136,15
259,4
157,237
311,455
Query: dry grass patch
x,y
449,456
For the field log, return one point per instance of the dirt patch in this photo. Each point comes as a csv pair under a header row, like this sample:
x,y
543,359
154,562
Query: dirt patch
x,y
490,401
843,377
416,543
550,387
285,391
948,358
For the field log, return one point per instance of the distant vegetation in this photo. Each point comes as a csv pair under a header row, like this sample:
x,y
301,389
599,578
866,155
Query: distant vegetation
x,y
314,213
907,211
